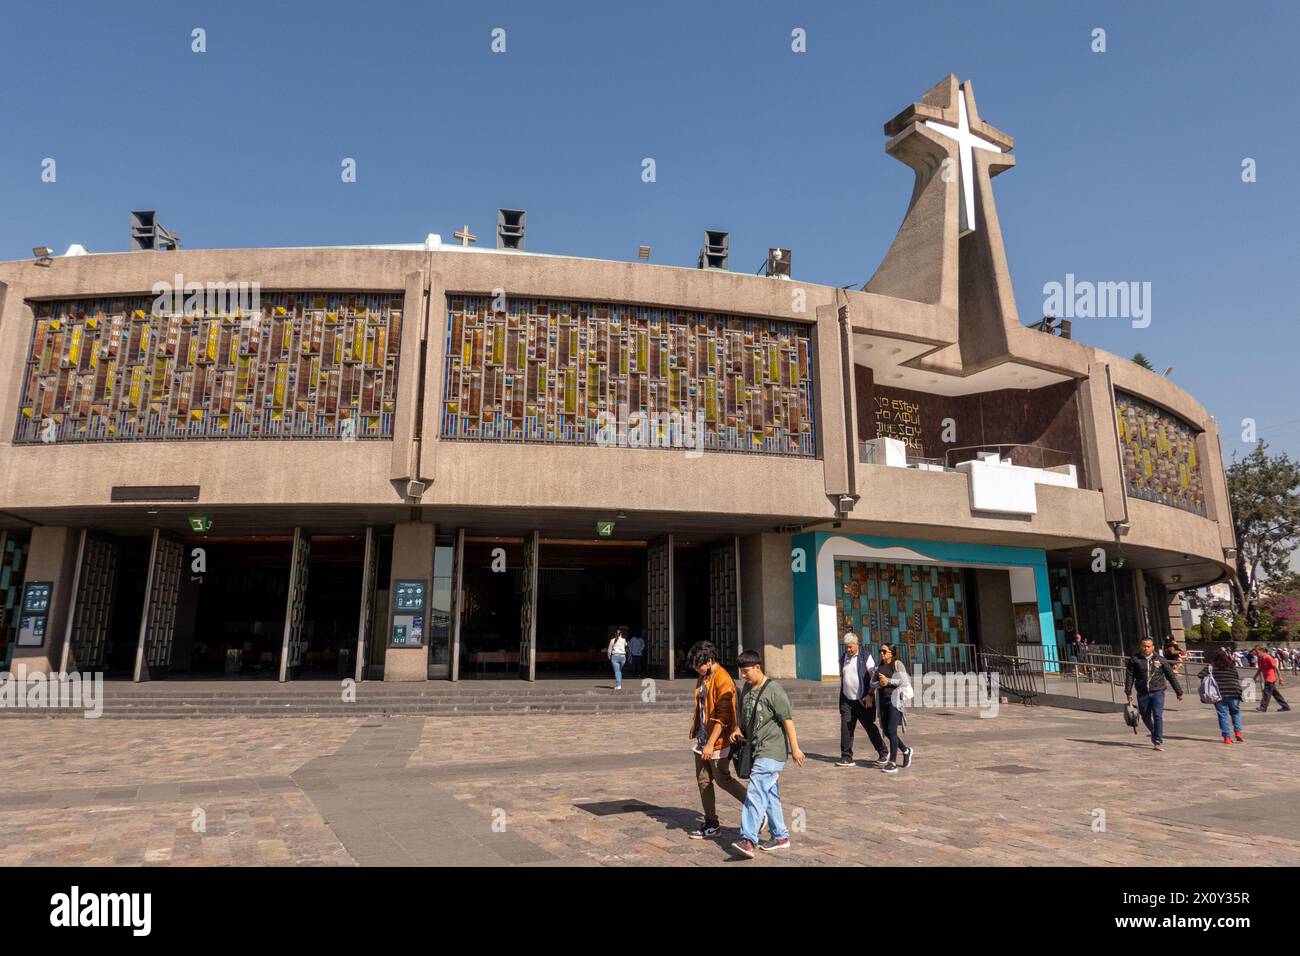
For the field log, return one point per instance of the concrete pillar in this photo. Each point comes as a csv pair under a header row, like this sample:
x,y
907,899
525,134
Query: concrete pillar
x,y
413,544
1176,619
53,558
997,617
767,601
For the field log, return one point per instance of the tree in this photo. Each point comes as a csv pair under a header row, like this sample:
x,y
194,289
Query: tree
x,y
1141,360
1282,609
1264,491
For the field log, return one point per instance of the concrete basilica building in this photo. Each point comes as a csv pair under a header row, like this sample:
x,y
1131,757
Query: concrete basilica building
x,y
446,461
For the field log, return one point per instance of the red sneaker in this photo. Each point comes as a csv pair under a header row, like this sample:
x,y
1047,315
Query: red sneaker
x,y
1240,739
1227,740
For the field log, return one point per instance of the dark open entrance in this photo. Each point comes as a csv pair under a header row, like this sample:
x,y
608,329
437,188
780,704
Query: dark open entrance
x,y
127,606
230,619
585,590
231,608
493,598
333,607
692,620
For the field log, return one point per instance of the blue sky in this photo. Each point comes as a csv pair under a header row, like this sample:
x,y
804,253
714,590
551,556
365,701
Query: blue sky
x,y
1129,160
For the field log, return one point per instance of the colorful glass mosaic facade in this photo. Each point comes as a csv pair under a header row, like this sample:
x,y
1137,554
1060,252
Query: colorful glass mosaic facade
x,y
900,603
1058,580
549,371
1160,460
307,365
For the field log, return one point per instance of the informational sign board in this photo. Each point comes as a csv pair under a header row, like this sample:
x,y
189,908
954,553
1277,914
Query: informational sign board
x,y
36,597
32,631
408,596
604,528
201,524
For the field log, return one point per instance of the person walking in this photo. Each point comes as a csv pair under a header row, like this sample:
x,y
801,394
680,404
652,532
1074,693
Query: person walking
x,y
1075,646
893,689
635,649
1228,706
713,726
1175,656
617,654
857,701
766,712
1151,675
1266,666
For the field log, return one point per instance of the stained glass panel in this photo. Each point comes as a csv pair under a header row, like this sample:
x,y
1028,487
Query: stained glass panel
x,y
306,365
578,364
1160,459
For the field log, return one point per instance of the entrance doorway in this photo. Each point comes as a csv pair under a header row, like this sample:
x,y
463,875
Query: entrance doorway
x,y
231,614
232,604
586,589
128,604
493,598
333,607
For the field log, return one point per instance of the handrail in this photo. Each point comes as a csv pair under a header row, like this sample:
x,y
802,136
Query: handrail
x,y
1066,457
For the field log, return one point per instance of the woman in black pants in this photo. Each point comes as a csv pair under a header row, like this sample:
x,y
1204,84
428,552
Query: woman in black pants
x,y
893,686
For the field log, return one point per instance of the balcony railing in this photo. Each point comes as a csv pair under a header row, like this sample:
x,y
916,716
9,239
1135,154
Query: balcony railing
x,y
1026,456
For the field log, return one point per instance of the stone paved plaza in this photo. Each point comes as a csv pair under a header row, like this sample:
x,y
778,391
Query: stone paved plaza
x,y
1023,788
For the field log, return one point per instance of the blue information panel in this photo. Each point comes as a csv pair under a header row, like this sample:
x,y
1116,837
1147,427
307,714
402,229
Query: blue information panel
x,y
36,597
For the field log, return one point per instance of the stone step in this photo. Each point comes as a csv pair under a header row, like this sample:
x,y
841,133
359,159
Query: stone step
x,y
348,710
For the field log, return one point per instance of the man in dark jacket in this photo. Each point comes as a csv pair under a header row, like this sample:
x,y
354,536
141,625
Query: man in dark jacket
x,y
857,700
1149,674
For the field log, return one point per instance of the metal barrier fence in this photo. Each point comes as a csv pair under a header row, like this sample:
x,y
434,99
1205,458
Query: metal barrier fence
x,y
938,658
1019,679
1098,677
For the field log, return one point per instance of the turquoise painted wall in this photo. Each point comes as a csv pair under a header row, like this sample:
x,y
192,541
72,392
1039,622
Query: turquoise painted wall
x,y
807,634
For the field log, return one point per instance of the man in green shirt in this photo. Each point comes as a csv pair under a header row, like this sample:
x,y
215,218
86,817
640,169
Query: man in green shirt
x,y
764,707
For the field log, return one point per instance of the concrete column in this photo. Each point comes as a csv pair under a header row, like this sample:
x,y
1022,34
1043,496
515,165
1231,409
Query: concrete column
x,y
767,601
1215,480
1101,440
53,558
404,464
1176,619
413,544
832,437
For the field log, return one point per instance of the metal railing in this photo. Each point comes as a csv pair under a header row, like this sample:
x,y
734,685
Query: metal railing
x,y
938,658
1027,456
1097,677
1019,679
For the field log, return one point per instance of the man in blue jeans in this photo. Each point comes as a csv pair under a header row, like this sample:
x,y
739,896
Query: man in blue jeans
x,y
765,710
1150,675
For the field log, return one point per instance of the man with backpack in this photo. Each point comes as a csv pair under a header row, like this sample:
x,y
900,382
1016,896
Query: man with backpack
x,y
1150,674
767,720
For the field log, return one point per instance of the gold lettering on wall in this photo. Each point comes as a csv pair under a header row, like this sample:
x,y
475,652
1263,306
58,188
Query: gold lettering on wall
x,y
898,418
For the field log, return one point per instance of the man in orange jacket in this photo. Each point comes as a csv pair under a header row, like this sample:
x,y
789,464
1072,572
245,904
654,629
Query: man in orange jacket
x,y
712,724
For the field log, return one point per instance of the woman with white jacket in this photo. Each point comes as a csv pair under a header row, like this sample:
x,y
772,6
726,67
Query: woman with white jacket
x,y
893,691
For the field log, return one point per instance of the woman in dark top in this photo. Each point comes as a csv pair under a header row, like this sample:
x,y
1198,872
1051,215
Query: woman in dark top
x,y
1225,675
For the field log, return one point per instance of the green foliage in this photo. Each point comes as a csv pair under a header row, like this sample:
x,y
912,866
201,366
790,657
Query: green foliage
x,y
1141,360
1264,491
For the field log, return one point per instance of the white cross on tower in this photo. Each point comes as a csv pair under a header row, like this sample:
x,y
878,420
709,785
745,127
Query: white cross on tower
x,y
965,141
